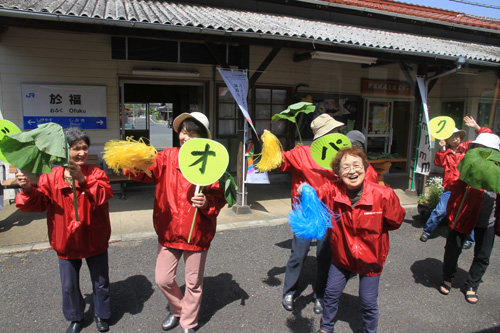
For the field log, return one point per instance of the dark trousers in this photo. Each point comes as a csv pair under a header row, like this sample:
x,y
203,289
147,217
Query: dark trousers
x,y
296,262
368,296
485,238
73,302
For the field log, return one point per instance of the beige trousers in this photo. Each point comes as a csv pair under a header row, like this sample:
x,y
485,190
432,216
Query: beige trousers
x,y
185,306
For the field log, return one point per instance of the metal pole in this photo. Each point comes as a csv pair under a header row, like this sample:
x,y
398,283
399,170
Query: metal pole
x,y
244,164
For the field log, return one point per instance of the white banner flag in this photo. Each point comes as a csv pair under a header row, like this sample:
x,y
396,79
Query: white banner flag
x,y
237,83
423,165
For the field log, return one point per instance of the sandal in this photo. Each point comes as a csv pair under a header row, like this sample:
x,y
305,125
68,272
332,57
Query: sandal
x,y
471,296
445,288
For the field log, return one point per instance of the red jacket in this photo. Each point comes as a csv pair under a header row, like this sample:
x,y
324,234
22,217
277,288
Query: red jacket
x,y
173,212
448,160
69,238
359,235
469,210
304,169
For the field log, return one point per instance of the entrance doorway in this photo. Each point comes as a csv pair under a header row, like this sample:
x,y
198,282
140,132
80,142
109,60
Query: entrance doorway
x,y
148,109
386,125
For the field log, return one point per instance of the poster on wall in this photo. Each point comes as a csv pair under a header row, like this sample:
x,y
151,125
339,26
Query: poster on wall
x,y
67,105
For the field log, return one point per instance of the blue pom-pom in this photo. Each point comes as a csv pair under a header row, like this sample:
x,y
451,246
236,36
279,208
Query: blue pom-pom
x,y
310,217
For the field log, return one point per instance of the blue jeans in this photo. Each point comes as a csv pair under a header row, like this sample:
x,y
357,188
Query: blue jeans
x,y
437,214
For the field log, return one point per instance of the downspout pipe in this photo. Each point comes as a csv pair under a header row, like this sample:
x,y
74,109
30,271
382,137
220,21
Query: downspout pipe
x,y
459,63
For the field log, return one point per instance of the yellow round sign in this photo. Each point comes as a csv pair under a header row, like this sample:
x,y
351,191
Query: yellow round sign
x,y
6,128
324,149
441,127
203,161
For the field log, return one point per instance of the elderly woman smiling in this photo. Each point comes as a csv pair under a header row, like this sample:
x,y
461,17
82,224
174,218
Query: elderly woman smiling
x,y
363,212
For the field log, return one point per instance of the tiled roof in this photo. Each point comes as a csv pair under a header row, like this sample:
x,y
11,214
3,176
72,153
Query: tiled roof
x,y
166,15
425,12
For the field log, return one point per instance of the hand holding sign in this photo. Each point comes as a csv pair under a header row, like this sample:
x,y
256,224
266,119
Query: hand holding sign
x,y
441,127
324,149
202,162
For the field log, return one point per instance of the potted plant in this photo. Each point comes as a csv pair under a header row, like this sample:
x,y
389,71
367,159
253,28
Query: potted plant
x,y
429,199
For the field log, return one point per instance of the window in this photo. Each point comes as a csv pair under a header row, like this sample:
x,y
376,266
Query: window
x,y
484,115
227,113
268,101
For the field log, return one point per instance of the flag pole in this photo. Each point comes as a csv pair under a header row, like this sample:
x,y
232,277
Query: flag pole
x,y
244,164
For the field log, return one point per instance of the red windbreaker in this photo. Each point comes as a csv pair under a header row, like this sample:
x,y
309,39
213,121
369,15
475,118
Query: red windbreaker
x,y
173,212
304,169
465,221
359,235
69,238
448,160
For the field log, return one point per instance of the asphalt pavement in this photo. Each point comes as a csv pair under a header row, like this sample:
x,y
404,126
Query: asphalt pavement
x,y
243,279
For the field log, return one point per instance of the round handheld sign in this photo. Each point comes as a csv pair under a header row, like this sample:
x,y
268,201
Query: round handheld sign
x,y
6,128
324,149
203,161
441,127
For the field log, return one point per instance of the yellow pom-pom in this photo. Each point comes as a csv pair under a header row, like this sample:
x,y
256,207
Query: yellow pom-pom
x,y
271,157
129,154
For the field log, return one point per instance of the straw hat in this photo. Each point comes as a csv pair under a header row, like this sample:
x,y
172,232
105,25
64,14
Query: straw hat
x,y
200,117
461,133
323,124
489,140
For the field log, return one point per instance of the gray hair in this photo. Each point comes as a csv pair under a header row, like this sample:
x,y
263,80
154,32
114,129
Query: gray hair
x,y
74,134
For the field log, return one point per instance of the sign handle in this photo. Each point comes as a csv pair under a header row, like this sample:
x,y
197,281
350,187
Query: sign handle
x,y
196,191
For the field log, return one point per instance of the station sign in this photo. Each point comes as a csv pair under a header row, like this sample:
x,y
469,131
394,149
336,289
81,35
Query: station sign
x,y
67,105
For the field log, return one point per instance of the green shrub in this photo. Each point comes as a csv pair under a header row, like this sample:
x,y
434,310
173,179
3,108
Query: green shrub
x,y
432,193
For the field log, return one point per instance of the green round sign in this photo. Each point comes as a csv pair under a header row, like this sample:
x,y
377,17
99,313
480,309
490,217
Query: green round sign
x,y
203,161
6,128
324,149
441,127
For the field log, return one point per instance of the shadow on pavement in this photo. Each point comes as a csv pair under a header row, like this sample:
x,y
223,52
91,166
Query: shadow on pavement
x,y
127,296
219,291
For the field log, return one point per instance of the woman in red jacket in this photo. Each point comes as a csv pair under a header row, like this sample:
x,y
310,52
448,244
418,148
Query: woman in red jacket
x,y
74,240
470,210
173,214
364,212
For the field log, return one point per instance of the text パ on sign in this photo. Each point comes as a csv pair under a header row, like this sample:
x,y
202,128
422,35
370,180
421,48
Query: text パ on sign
x,y
324,149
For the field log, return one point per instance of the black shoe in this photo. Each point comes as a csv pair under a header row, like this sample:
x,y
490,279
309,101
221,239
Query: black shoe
x,y
318,307
424,237
187,330
288,302
170,322
467,245
101,324
75,327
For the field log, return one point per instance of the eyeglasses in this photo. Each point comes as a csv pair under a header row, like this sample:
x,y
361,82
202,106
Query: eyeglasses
x,y
354,167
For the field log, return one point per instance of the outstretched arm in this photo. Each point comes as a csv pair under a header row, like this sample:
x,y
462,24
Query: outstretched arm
x,y
471,122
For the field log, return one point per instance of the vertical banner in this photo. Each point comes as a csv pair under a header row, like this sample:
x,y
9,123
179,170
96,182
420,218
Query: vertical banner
x,y
423,157
237,83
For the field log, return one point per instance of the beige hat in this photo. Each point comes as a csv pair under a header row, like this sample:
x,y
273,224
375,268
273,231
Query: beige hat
x,y
461,133
200,117
323,124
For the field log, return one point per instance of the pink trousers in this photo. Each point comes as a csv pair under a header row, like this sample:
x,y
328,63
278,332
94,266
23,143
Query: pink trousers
x,y
185,306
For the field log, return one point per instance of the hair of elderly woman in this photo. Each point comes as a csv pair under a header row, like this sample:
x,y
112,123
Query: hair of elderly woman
x,y
74,134
353,151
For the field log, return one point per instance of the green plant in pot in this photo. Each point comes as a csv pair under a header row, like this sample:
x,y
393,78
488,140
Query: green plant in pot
x,y
428,200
